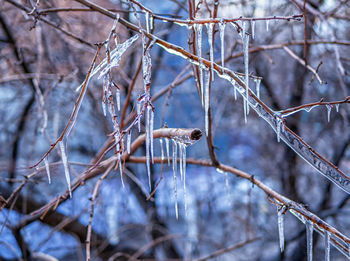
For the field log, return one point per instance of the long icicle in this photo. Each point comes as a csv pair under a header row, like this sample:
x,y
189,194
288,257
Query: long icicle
x,y
246,74
174,177
184,174
47,166
207,101
199,46
280,218
222,40
65,165
148,145
211,48
309,241
167,150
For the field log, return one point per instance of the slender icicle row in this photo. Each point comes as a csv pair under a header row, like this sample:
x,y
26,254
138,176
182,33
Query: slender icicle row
x,y
281,227
309,232
47,166
222,40
167,150
174,177
65,165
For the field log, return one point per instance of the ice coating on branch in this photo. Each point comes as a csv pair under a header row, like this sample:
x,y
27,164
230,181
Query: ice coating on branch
x,y
280,217
258,82
148,139
174,177
222,40
252,25
167,150
128,142
65,165
146,68
115,57
198,28
47,167
309,241
329,109
211,48
327,238
206,101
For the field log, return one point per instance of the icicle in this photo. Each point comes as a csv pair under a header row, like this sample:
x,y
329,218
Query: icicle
x,y
327,238
337,107
104,108
235,90
121,169
278,128
167,150
206,102
252,25
227,185
309,231
147,21
117,97
258,81
267,25
138,109
222,39
180,159
148,145
211,48
199,44
281,227
65,164
151,22
128,142
246,75
47,166
151,124
329,109
184,174
174,177
161,149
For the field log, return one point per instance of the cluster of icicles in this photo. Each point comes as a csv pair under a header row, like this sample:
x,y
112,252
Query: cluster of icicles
x,y
145,107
